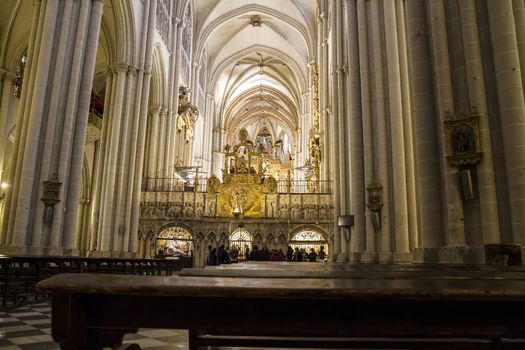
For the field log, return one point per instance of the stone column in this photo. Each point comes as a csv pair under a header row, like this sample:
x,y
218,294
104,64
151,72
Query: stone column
x,y
76,153
512,108
478,101
195,69
153,142
168,153
6,93
208,134
519,20
367,131
218,155
161,144
126,154
426,136
324,99
33,53
454,228
408,127
141,109
354,132
107,222
172,96
397,132
99,159
50,141
6,87
336,123
382,132
57,121
27,170
178,50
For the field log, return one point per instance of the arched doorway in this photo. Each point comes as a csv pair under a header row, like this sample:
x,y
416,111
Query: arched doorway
x,y
243,240
174,241
307,239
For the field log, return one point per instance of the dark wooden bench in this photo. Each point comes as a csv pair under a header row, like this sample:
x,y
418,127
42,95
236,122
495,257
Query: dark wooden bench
x,y
91,311
20,274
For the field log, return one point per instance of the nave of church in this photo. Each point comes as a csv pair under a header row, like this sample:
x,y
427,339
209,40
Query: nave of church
x,y
383,130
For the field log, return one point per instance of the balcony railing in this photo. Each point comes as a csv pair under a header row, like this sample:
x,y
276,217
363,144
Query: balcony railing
x,y
97,104
150,184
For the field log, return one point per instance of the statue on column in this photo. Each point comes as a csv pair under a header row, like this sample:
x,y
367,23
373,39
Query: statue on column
x,y
187,113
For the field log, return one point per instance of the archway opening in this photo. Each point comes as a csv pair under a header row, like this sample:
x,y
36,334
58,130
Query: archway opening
x,y
307,239
174,241
242,239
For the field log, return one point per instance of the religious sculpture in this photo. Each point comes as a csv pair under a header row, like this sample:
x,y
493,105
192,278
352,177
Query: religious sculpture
x,y
314,146
463,139
187,113
186,108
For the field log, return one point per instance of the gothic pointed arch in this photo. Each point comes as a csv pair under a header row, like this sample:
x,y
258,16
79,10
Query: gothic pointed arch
x,y
174,241
158,88
124,30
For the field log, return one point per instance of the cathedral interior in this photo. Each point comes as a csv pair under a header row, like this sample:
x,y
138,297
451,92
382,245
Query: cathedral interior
x,y
388,136
384,131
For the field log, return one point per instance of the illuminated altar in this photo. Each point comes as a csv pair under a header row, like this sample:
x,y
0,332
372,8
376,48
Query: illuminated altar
x,y
246,180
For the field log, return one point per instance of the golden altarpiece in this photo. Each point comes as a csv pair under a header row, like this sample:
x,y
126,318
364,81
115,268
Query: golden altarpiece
x,y
272,212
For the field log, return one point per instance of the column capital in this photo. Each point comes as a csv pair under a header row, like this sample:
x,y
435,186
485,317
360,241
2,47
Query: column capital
x,y
119,68
155,110
132,70
163,111
7,74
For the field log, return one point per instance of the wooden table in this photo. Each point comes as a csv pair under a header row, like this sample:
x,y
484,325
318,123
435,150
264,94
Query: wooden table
x,y
91,311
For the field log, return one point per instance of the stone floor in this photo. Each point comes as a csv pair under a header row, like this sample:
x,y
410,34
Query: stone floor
x,y
29,328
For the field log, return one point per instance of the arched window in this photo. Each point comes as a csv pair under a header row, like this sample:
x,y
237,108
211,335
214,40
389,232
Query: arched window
x,y
174,241
163,19
308,239
263,141
242,239
17,84
186,47
286,144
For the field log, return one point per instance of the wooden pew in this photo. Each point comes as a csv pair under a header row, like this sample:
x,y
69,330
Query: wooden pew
x,y
20,274
91,311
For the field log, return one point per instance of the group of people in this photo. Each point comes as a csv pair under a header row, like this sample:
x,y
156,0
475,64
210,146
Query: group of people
x,y
228,255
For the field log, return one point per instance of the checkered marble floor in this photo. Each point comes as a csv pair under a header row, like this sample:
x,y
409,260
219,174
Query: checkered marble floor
x,y
29,328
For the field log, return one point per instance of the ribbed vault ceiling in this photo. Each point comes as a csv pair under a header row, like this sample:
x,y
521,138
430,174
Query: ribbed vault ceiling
x,y
258,54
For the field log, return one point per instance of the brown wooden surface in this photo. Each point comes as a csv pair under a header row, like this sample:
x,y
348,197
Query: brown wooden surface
x,y
371,312
20,274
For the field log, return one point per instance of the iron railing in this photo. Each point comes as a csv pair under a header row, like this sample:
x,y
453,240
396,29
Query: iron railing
x,y
150,184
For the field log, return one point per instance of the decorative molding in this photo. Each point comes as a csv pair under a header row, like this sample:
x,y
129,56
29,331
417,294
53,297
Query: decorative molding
x,y
463,142
375,197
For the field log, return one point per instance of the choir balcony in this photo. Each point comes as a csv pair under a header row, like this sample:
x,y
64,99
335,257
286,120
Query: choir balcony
x,y
285,200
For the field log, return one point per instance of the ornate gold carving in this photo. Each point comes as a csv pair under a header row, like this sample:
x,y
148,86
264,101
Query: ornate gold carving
x,y
270,185
242,191
213,184
463,139
314,147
